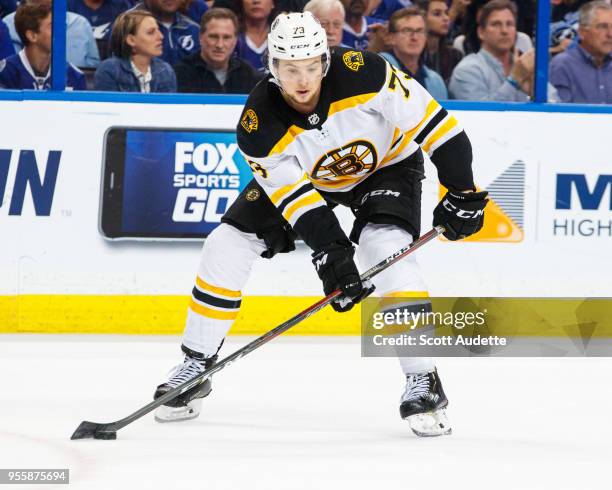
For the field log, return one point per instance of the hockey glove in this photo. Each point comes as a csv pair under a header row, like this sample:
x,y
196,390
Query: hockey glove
x,y
336,268
461,214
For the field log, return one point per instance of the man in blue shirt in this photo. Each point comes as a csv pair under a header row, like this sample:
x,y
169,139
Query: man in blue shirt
x,y
81,48
100,13
357,26
181,34
30,69
583,73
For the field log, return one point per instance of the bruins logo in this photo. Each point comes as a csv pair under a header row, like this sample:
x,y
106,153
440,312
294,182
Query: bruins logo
x,y
353,60
249,121
252,195
355,160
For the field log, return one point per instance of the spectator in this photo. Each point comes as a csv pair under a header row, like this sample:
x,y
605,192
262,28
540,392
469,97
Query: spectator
x,y
194,9
583,73
407,37
330,13
253,40
100,13
496,72
383,9
181,34
31,67
214,69
135,44
81,49
440,56
6,45
357,26
7,7
469,42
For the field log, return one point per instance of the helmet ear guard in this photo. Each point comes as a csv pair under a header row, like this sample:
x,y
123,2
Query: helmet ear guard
x,y
296,36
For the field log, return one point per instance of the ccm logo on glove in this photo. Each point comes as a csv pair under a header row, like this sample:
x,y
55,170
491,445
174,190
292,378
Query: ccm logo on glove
x,y
460,213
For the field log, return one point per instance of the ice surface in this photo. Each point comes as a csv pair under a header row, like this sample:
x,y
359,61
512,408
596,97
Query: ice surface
x,y
302,413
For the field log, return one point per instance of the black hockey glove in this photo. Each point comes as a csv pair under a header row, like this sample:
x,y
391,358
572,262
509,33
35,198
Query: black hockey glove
x,y
336,268
461,214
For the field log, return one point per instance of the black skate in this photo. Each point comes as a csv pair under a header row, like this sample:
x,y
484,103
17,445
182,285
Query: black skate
x,y
187,405
423,405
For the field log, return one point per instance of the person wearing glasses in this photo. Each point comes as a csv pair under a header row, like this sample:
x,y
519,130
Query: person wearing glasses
x,y
408,38
583,73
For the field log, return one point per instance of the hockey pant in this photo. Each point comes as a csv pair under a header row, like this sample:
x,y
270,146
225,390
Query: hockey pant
x,y
225,265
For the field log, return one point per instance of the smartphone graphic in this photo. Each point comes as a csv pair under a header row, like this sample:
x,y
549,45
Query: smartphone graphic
x,y
168,183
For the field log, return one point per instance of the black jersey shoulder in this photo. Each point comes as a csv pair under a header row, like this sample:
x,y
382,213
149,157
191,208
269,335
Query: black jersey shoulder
x,y
354,72
261,124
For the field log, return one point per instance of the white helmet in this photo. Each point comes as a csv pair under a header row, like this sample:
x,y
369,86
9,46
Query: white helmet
x,y
297,36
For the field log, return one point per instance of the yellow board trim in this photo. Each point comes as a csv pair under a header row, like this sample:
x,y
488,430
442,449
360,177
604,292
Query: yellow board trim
x,y
349,102
305,201
210,313
286,140
202,284
444,129
407,294
153,315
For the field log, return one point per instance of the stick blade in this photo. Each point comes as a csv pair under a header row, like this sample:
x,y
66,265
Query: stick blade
x,y
93,430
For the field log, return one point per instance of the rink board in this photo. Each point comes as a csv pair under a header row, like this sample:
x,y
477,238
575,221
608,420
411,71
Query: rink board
x,y
548,231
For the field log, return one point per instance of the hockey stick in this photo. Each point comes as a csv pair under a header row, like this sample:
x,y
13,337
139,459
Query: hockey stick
x,y
109,431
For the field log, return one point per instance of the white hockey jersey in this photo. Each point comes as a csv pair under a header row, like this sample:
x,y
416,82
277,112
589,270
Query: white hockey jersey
x,y
369,116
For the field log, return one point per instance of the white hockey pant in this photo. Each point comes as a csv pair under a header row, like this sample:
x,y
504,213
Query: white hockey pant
x,y
225,265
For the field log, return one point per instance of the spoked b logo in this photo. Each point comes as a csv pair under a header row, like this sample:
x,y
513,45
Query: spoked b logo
x,y
355,159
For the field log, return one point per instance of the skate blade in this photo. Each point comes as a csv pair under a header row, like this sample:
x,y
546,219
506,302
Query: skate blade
x,y
430,424
165,414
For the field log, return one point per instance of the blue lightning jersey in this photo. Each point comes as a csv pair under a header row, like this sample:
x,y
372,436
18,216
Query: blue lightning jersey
x,y
17,73
359,40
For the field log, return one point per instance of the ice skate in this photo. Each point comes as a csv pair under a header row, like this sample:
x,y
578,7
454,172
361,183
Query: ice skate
x,y
423,405
187,405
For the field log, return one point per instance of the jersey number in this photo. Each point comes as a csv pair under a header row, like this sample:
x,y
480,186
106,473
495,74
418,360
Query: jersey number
x,y
258,169
395,80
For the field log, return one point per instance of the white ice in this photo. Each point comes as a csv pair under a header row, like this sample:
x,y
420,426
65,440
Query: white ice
x,y
302,413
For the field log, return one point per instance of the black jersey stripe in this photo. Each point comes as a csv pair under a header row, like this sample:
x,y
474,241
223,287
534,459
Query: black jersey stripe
x,y
437,119
213,301
294,196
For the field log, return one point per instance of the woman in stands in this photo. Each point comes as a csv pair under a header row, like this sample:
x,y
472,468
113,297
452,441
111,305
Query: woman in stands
x,y
136,43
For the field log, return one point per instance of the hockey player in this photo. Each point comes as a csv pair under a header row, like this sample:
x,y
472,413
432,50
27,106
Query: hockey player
x,y
323,130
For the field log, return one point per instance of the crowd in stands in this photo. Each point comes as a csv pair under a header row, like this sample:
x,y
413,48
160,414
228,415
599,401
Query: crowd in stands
x,y
461,49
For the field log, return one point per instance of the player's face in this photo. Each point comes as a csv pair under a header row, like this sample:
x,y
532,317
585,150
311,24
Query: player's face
x,y
410,36
438,21
597,36
301,79
148,39
499,34
257,9
218,42
332,21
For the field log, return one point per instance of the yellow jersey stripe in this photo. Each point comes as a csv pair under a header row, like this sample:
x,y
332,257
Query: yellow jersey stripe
x,y
431,108
278,195
210,313
445,128
349,102
286,140
215,289
304,201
